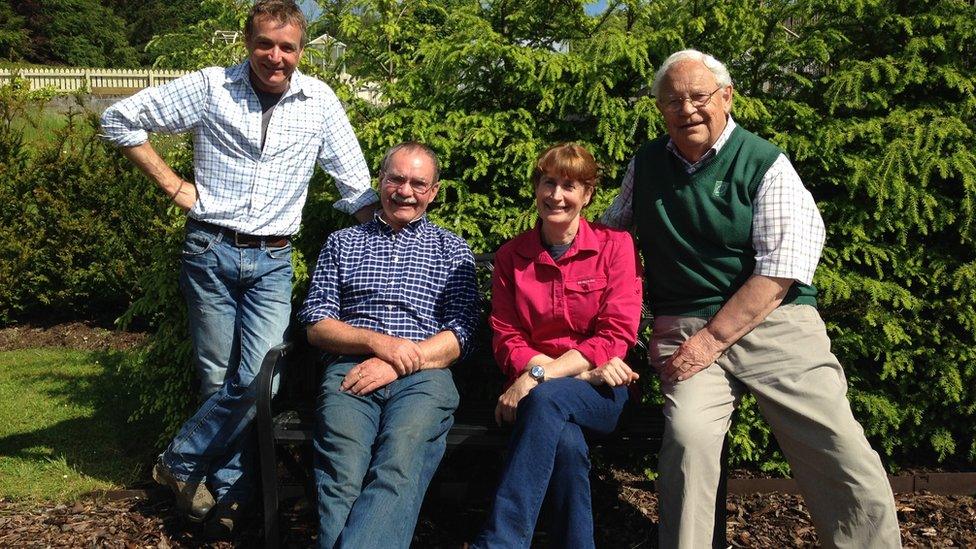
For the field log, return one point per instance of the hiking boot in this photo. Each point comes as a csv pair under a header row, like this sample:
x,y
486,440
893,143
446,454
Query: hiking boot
x,y
192,498
224,521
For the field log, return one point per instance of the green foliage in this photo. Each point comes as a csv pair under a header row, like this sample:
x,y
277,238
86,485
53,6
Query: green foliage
x,y
883,140
72,218
13,35
873,100
74,32
194,47
149,18
161,373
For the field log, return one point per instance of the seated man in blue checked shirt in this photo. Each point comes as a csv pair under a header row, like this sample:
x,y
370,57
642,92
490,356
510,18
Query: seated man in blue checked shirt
x,y
394,302
258,129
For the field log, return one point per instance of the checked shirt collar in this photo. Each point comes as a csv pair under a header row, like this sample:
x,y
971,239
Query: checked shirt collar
x,y
238,75
412,228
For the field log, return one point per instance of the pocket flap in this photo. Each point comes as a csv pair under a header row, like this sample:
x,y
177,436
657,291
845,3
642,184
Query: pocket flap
x,y
587,284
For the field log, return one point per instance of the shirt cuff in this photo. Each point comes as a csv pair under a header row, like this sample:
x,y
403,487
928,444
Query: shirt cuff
x,y
127,139
597,354
520,359
353,204
463,341
769,266
311,317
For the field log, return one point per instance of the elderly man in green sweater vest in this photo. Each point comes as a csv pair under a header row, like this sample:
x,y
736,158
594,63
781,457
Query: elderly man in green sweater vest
x,y
731,239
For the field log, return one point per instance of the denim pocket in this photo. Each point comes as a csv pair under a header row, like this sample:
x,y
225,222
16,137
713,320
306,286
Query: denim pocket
x,y
199,242
283,252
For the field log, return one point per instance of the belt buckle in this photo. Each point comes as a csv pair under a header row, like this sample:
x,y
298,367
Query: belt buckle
x,y
237,241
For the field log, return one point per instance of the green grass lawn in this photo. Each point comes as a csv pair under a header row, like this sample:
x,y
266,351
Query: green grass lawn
x,y
46,126
63,429
42,125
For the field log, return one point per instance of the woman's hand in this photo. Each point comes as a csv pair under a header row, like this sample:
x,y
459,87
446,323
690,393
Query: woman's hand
x,y
509,400
614,373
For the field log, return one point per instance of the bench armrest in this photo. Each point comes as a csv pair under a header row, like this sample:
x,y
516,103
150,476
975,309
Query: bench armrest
x,y
265,434
270,364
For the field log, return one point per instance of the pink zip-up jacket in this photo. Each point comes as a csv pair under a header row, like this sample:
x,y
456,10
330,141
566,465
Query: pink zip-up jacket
x,y
588,300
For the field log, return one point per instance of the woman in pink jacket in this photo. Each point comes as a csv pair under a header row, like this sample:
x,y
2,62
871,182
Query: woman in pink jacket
x,y
566,302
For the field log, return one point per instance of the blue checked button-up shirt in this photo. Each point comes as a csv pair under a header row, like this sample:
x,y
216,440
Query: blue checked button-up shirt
x,y
412,284
241,186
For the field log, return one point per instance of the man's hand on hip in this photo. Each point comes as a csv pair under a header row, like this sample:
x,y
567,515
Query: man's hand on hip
x,y
185,195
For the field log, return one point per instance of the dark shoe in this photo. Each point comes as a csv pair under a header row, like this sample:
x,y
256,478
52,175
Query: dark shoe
x,y
224,520
192,498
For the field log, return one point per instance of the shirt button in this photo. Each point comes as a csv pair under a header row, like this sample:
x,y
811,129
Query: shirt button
x,y
390,307
395,259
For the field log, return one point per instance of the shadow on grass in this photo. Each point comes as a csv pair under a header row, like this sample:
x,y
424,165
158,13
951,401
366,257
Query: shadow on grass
x,y
102,444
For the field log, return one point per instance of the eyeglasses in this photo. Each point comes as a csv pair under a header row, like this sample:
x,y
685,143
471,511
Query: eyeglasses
x,y
395,181
698,100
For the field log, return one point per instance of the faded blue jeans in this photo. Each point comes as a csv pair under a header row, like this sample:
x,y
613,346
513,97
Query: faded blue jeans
x,y
375,455
239,305
548,456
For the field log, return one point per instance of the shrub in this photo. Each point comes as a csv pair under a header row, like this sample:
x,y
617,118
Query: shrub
x,y
73,219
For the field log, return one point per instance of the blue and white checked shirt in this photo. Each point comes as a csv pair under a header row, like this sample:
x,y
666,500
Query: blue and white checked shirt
x,y
241,186
412,284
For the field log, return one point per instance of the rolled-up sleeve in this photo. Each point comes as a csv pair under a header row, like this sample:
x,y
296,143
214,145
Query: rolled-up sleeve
x,y
788,232
615,329
173,107
323,292
341,157
461,306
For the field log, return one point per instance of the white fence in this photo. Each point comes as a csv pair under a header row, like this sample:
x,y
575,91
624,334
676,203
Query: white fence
x,y
128,81
96,81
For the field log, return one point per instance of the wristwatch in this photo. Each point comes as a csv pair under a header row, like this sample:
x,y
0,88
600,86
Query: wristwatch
x,y
537,373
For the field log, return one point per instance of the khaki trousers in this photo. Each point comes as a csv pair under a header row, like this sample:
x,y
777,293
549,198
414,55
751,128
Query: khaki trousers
x,y
786,363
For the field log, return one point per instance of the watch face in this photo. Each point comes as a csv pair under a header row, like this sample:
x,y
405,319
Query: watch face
x,y
537,373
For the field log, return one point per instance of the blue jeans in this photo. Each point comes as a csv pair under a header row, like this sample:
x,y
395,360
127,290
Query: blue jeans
x,y
239,305
549,456
375,455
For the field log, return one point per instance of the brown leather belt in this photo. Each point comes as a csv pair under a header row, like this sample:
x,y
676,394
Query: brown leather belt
x,y
242,240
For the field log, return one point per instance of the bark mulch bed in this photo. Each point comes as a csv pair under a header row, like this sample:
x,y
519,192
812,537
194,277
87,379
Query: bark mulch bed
x,y
625,518
73,335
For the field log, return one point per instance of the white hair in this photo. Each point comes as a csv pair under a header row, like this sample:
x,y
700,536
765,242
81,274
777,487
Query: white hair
x,y
717,68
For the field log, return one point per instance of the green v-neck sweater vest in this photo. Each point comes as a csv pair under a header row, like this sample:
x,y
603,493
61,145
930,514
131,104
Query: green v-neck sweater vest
x,y
695,230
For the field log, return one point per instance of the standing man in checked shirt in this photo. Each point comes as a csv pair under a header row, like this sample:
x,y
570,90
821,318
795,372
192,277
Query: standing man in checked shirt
x,y
258,129
731,239
394,302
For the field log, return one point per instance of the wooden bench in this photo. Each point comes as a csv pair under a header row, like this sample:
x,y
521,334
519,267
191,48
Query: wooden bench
x,y
289,418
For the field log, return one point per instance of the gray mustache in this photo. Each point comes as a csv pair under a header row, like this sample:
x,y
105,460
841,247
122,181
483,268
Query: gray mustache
x,y
403,200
